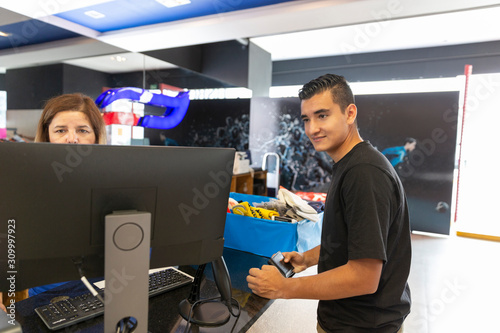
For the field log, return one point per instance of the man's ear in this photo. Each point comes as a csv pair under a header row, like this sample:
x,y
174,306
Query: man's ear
x,y
351,113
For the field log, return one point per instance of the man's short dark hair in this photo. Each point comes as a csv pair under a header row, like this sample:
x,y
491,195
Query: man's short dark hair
x,y
336,84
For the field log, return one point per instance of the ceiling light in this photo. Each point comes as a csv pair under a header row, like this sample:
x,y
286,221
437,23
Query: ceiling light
x,y
4,34
119,59
94,14
173,3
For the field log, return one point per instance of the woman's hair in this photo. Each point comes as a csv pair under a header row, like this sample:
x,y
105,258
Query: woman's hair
x,y
71,102
336,84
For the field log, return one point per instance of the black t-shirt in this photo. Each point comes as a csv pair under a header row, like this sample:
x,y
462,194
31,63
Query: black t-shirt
x,y
366,216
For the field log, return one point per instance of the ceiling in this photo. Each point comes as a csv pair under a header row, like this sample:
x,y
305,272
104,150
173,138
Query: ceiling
x,y
109,35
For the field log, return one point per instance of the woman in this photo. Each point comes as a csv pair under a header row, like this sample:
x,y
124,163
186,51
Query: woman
x,y
71,118
68,118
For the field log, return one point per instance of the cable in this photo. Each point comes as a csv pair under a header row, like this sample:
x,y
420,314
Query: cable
x,y
201,301
91,288
78,262
192,308
237,305
125,326
237,316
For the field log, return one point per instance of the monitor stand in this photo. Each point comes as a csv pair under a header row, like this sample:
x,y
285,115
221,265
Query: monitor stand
x,y
210,313
126,266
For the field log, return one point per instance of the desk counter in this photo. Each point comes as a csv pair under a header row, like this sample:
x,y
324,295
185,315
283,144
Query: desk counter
x,y
163,309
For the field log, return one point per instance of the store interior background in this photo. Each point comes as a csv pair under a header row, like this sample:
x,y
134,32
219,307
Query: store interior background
x,y
245,66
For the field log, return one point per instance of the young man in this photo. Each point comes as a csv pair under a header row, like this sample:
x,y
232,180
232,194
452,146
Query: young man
x,y
365,252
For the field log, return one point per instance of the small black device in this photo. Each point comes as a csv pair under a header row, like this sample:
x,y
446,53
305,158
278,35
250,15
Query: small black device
x,y
285,268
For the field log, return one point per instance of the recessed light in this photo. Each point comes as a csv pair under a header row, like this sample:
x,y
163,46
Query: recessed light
x,y
119,59
173,3
94,14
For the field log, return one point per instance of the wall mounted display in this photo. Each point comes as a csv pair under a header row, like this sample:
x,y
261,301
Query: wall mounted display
x,y
427,171
207,123
386,121
276,127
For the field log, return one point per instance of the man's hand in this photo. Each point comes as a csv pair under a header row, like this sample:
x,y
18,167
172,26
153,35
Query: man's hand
x,y
266,282
296,259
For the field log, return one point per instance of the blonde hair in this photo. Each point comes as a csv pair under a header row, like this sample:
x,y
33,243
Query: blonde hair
x,y
71,102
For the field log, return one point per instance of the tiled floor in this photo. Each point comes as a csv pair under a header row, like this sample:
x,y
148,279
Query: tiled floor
x,y
454,283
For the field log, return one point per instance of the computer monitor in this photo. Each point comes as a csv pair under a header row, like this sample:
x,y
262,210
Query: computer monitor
x,y
54,199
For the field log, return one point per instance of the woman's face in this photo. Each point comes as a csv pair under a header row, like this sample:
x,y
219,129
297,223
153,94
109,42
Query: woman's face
x,y
71,127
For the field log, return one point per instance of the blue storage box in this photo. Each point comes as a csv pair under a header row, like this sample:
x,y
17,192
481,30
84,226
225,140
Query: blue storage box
x,y
258,236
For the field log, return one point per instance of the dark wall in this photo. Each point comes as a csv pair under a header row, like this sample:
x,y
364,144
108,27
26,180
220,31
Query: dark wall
x,y
86,81
2,82
177,77
188,57
29,88
435,62
227,61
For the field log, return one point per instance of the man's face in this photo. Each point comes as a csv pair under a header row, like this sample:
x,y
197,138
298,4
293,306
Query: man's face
x,y
325,124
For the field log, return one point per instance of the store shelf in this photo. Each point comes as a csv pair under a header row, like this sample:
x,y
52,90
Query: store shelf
x,y
250,183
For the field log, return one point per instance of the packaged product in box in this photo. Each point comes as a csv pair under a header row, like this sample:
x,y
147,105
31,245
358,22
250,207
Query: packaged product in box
x,y
241,163
119,134
120,118
138,109
137,132
120,105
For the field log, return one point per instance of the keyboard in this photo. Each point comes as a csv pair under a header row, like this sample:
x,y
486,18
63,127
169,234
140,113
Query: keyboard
x,y
73,310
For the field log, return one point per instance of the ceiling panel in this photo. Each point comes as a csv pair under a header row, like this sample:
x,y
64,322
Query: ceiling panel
x,y
125,14
30,32
40,32
121,63
459,27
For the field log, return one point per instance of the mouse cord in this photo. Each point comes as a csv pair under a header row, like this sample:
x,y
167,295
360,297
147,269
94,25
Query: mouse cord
x,y
78,262
233,302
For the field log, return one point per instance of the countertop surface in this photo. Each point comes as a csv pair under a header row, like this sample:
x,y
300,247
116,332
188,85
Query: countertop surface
x,y
163,309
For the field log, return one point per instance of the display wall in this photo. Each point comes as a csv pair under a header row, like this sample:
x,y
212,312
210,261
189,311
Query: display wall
x,y
427,171
384,120
208,123
274,125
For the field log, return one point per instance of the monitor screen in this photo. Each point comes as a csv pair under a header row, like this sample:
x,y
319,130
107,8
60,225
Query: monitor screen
x,y
54,197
